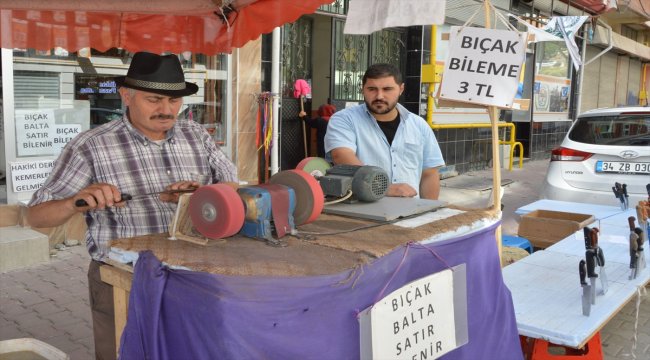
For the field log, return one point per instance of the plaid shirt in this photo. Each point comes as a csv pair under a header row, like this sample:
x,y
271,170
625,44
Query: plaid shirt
x,y
118,154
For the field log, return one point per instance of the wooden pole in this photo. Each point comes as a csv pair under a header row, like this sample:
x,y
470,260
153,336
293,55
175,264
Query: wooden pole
x,y
493,112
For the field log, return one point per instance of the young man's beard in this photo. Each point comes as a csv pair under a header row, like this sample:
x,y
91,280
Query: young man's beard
x,y
388,107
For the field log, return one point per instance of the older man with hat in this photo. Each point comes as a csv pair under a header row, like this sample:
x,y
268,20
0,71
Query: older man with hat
x,y
147,151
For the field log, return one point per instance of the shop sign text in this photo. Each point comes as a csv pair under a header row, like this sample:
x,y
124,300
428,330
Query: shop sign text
x,y
483,66
416,321
30,175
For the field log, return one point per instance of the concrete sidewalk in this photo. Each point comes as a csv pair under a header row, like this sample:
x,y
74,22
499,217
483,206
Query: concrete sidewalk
x,y
50,302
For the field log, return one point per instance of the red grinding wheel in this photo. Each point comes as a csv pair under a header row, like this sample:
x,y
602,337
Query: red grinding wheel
x,y
216,211
315,166
309,194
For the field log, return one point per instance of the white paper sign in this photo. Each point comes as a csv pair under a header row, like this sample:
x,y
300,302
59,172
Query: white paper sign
x,y
483,66
368,16
35,132
63,134
416,321
30,175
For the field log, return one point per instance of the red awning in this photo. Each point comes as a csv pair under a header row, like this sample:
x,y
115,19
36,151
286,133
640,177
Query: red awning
x,y
199,26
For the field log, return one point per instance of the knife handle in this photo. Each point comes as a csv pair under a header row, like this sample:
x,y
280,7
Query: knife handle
x,y
639,238
82,202
630,222
587,234
593,235
591,263
582,269
600,257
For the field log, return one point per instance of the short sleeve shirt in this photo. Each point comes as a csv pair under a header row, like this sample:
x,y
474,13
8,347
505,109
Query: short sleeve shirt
x,y
414,147
118,154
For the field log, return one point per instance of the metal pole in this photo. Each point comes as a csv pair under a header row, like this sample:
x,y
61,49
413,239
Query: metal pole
x,y
581,71
275,91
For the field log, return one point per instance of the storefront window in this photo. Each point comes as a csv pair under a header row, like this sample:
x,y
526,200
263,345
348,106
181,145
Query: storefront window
x,y
101,94
552,86
44,120
56,95
211,113
94,88
553,59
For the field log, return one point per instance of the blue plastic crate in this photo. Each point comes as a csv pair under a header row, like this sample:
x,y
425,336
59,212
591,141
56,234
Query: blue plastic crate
x,y
516,241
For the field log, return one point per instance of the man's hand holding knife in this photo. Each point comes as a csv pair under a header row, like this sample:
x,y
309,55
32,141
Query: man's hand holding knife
x,y
100,196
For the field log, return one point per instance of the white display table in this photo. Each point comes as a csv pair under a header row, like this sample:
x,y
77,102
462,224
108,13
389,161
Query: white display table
x,y
546,287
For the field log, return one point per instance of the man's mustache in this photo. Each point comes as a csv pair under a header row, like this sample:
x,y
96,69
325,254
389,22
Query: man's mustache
x,y
162,117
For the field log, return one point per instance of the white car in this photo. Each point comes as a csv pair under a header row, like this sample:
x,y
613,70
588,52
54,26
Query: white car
x,y
603,147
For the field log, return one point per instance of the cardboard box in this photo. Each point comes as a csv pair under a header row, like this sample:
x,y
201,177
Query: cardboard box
x,y
545,227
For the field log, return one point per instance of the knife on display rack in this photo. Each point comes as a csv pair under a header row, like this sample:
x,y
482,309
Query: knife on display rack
x,y
620,191
587,234
600,259
639,250
590,255
637,256
586,288
129,197
634,261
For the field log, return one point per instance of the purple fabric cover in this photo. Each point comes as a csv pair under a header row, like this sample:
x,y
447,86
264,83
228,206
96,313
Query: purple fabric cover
x,y
175,314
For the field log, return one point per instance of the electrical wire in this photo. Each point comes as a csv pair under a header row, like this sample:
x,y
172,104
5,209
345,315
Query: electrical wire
x,y
345,197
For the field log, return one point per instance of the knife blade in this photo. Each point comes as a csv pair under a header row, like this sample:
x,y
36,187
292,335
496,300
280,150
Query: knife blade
x,y
592,290
586,289
129,197
586,300
600,260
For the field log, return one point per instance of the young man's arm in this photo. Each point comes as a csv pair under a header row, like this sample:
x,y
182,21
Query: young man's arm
x,y
430,184
346,156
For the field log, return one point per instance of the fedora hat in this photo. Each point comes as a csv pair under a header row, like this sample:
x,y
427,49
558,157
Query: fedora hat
x,y
160,74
